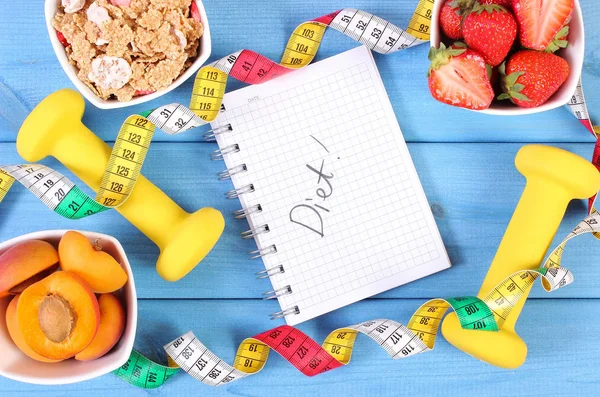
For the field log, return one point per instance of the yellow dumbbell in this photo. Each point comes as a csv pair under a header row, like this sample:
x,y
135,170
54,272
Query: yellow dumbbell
x,y
54,128
554,178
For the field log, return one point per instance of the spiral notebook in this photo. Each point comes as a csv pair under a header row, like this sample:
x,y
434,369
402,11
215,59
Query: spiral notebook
x,y
326,182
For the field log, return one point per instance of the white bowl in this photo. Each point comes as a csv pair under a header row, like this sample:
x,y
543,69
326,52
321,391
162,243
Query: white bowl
x,y
50,9
573,54
16,365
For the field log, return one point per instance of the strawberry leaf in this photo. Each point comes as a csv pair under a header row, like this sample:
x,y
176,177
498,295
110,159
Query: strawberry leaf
x,y
432,52
559,40
463,7
512,89
512,78
519,96
502,68
563,32
490,8
441,56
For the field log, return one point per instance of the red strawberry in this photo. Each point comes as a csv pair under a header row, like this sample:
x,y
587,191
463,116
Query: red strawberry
x,y
458,76
451,20
491,30
504,3
530,78
452,15
541,20
62,39
195,12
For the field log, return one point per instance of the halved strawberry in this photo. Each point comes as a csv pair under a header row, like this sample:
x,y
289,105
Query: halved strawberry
x,y
195,12
122,3
62,39
541,20
458,76
530,78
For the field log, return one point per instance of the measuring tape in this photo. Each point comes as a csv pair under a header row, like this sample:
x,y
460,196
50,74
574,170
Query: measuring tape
x,y
399,341
578,107
126,161
134,137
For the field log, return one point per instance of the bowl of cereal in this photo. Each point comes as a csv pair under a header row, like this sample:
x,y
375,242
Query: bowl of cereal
x,y
120,53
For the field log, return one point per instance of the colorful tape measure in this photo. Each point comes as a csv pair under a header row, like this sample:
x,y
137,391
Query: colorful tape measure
x,y
126,161
578,107
399,341
136,133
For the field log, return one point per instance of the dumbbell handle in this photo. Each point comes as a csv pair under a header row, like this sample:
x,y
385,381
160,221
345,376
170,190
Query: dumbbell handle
x,y
54,128
148,208
528,236
554,178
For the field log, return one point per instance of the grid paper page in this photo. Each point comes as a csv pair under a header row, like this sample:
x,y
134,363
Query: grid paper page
x,y
338,189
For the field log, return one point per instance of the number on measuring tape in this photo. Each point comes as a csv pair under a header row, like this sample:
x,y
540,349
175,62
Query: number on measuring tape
x,y
399,341
187,352
133,140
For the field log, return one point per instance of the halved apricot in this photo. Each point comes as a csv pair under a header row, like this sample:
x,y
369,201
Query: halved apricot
x,y
112,324
58,316
102,272
17,336
24,261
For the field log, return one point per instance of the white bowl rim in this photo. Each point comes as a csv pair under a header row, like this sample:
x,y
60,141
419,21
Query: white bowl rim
x,y
50,8
128,337
556,101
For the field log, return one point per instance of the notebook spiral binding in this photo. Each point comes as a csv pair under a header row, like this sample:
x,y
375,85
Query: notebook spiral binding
x,y
219,154
255,232
283,313
211,135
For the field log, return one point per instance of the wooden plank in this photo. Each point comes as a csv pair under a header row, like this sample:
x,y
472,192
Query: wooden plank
x,y
473,189
563,354
32,72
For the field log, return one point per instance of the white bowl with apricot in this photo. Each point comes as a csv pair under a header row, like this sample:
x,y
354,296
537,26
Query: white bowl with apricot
x,y
68,307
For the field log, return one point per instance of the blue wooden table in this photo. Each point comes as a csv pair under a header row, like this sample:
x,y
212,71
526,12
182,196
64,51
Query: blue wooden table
x,y
464,160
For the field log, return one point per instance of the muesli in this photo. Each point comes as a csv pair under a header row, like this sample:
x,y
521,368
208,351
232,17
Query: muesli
x,y
126,48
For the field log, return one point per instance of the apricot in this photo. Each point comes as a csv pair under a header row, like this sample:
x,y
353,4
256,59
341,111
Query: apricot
x,y
19,288
112,324
15,332
24,261
58,316
102,272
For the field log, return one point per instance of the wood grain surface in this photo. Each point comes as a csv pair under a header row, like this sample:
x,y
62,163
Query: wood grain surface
x,y
465,162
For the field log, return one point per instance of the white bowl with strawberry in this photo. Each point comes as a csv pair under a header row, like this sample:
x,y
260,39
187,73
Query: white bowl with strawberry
x,y
506,57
